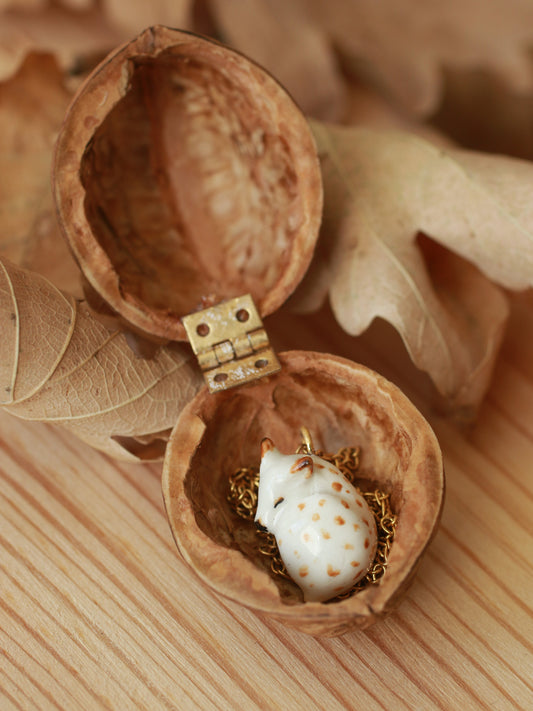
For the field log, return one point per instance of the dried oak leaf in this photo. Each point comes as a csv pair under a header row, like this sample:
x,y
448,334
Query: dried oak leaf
x,y
134,15
77,36
22,4
404,45
59,364
382,191
32,106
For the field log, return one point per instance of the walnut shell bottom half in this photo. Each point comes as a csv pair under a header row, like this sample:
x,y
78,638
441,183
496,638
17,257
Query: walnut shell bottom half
x,y
342,404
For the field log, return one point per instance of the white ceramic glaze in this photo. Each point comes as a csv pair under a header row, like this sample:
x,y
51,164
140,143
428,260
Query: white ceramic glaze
x,y
325,531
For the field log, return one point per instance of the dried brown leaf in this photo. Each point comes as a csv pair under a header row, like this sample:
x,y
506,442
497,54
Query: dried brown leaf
x,y
482,113
32,105
22,4
382,189
59,364
404,46
401,48
77,35
135,15
366,106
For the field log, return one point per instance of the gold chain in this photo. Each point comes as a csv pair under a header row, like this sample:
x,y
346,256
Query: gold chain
x,y
244,485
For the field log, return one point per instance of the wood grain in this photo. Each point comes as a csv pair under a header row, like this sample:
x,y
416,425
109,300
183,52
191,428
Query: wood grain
x,y
97,610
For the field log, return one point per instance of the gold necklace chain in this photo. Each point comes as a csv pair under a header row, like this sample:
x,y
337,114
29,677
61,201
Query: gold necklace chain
x,y
244,485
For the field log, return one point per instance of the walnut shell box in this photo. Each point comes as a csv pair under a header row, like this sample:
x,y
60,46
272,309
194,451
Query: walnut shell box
x,y
185,176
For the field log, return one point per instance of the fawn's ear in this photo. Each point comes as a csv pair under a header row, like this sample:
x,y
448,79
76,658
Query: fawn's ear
x,y
267,445
303,463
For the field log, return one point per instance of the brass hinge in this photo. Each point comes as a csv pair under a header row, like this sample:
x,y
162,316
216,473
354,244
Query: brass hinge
x,y
231,344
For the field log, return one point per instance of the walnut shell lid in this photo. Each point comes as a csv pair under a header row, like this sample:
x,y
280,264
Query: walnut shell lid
x,y
185,175
342,404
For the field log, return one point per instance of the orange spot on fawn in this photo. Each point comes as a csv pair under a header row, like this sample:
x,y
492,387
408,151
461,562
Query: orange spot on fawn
x,y
332,572
339,520
336,485
348,546
367,542
345,504
301,507
315,517
359,503
325,534
304,570
356,527
306,537
354,563
322,502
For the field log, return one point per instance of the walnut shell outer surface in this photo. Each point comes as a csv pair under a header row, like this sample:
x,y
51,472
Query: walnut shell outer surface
x,y
184,175
342,404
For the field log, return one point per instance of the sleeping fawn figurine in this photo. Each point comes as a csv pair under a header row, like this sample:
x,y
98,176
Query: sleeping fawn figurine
x,y
325,531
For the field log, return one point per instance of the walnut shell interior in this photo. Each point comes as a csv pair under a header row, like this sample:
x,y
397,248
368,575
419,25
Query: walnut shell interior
x,y
185,175
342,404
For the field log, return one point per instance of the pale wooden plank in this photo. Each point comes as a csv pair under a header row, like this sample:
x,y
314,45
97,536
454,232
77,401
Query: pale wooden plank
x,y
99,611
111,527
470,624
17,689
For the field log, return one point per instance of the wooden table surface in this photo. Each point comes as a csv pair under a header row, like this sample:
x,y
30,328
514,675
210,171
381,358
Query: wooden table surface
x,y
97,611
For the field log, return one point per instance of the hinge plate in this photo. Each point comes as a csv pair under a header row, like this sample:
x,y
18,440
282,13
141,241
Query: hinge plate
x,y
231,344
